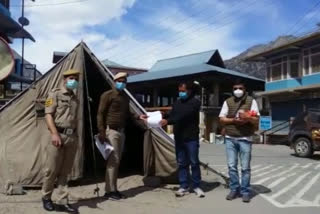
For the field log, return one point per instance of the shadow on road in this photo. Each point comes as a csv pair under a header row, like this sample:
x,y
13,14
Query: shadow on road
x,y
313,157
259,189
90,202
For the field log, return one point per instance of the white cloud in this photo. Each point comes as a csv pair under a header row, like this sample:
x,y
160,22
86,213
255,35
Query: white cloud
x,y
60,28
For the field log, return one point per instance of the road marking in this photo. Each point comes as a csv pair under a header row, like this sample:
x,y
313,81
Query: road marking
x,y
276,175
307,166
303,191
288,187
261,169
267,172
255,166
317,167
317,199
277,182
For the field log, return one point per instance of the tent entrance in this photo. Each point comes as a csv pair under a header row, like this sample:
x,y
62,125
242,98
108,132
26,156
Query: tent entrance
x,y
132,156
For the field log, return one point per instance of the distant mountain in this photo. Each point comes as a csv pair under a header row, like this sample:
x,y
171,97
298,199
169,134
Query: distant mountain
x,y
256,69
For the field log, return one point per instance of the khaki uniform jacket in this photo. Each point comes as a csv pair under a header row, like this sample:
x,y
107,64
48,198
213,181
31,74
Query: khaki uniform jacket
x,y
62,104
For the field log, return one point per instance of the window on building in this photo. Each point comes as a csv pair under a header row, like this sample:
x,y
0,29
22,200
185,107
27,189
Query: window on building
x,y
294,66
285,69
315,50
268,74
315,63
294,69
306,65
276,72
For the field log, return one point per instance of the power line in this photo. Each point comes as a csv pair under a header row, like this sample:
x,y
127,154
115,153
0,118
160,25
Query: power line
x,y
51,4
198,29
188,29
310,18
159,22
300,20
159,42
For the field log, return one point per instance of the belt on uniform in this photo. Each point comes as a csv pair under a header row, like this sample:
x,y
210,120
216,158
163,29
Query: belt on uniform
x,y
115,128
66,131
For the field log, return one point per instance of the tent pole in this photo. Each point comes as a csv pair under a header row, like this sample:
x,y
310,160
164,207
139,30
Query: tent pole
x,y
96,190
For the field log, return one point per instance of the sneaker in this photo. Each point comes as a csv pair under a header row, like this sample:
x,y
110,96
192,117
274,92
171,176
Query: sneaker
x,y
246,198
232,195
199,192
181,192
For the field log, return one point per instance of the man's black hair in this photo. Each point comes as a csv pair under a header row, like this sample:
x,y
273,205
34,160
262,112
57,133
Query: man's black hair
x,y
190,86
239,82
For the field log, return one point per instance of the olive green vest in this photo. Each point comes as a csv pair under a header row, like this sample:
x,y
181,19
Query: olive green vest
x,y
245,130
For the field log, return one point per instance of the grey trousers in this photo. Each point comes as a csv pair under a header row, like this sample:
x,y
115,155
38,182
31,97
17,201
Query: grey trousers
x,y
116,139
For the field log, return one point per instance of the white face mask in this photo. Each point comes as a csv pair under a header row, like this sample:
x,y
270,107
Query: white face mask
x,y
238,93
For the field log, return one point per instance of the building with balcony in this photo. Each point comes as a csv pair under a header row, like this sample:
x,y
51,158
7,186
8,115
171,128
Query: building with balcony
x,y
293,76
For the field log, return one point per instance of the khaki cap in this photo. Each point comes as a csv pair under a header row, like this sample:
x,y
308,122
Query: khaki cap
x,y
120,75
71,72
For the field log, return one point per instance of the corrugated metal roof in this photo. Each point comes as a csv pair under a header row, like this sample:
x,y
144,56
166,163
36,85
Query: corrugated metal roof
x,y
187,70
183,61
113,64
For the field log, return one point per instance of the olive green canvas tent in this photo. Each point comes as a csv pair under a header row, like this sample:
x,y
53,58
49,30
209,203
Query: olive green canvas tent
x,y
24,134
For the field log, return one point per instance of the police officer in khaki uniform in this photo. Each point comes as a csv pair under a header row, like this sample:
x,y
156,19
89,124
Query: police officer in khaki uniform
x,y
61,117
112,116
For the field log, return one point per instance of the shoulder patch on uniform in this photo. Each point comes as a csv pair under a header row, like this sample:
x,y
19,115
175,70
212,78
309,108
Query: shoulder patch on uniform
x,y
49,102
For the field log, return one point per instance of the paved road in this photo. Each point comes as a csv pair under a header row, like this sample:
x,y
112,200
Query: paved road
x,y
278,176
283,183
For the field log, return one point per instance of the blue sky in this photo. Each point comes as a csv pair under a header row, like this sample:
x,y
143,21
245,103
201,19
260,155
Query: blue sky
x,y
139,32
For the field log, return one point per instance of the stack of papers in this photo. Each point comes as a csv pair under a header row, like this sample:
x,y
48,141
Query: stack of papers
x,y
154,119
105,148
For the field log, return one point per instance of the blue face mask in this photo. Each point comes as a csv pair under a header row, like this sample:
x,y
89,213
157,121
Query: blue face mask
x,y
72,84
183,95
120,85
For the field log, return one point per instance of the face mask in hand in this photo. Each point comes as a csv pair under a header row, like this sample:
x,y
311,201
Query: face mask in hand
x,y
72,84
238,93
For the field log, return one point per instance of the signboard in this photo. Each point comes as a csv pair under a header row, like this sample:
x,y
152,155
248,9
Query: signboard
x,y
265,123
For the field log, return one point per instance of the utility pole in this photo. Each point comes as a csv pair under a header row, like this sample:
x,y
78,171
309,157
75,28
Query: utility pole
x,y
24,22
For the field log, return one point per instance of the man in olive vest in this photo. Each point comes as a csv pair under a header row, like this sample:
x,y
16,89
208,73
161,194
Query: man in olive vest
x,y
239,116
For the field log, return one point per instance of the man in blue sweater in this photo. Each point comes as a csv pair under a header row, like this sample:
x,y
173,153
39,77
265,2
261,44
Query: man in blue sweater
x,y
185,119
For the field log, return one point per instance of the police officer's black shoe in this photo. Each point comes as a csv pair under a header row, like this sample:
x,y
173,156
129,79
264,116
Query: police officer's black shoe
x,y
114,196
66,208
47,204
106,196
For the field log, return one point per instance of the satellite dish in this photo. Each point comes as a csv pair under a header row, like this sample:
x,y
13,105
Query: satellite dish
x,y
6,59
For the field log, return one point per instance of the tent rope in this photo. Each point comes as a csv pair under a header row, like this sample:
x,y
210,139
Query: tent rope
x,y
96,190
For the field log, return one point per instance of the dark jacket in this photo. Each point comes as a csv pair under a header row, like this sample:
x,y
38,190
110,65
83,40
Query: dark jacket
x,y
185,119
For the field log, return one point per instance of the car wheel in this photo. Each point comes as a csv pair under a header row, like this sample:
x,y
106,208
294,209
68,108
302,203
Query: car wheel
x,y
303,147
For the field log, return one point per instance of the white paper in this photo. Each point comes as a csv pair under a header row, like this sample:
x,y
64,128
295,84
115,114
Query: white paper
x,y
104,148
154,119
